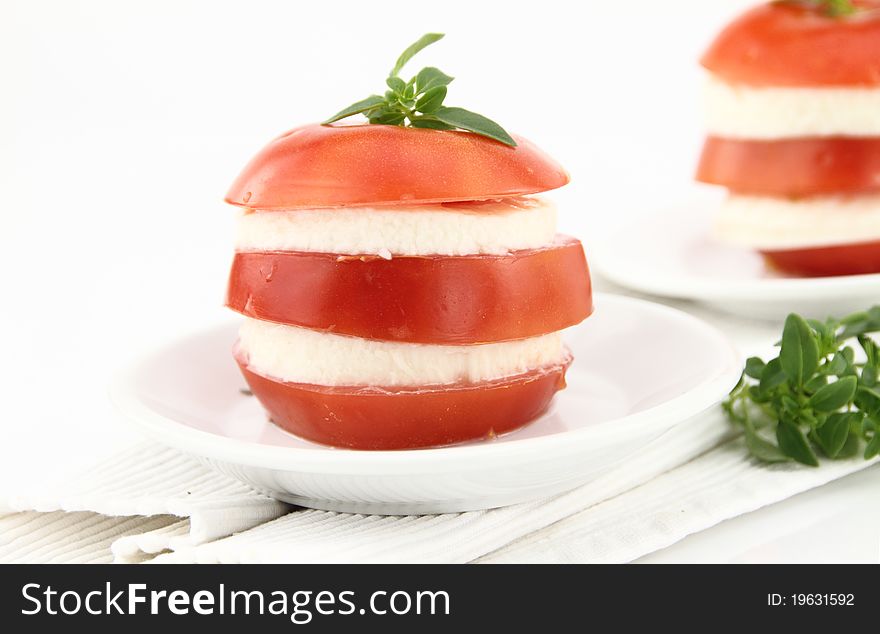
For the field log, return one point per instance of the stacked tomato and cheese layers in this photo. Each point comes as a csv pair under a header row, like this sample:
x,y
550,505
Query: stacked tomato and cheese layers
x,y
402,287
793,113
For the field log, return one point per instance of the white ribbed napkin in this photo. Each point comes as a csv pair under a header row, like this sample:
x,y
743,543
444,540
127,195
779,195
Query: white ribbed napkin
x,y
719,485
690,479
80,537
146,480
693,478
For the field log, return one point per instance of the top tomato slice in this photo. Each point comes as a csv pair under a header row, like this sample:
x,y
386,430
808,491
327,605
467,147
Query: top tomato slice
x,y
796,44
331,166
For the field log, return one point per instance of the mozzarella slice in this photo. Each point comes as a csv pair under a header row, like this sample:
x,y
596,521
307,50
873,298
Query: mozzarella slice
x,y
737,111
489,227
299,355
767,223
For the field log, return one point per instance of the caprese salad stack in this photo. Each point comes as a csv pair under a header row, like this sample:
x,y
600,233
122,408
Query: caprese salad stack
x,y
402,286
793,115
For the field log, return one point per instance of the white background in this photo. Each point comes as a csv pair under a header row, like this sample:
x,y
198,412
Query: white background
x,y
123,123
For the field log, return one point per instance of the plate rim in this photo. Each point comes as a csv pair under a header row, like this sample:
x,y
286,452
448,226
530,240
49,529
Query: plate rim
x,y
467,457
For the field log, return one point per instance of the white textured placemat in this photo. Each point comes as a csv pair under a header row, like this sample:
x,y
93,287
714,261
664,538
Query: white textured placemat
x,y
152,503
80,537
146,480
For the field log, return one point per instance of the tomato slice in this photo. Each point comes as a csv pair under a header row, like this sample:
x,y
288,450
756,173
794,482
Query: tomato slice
x,y
330,166
796,44
792,167
845,259
418,299
374,418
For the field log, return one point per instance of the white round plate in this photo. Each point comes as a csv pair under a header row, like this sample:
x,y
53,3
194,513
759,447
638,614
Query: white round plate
x,y
673,254
639,369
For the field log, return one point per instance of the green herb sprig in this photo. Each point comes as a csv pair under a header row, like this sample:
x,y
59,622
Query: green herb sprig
x,y
419,101
836,8
814,397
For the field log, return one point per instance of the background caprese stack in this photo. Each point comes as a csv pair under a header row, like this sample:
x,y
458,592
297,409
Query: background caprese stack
x,y
402,287
793,116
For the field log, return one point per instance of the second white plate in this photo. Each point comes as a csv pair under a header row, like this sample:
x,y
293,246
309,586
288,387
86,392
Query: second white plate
x,y
672,254
640,368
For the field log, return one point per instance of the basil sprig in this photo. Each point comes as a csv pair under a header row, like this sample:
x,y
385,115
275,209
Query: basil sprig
x,y
836,8
419,101
814,397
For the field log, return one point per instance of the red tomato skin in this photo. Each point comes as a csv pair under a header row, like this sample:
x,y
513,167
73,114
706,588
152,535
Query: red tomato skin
x,y
433,299
796,44
845,259
792,167
409,418
331,166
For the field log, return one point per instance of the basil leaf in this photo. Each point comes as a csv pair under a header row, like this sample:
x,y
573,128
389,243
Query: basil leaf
x,y
410,90
754,367
428,122
799,355
839,8
793,443
838,365
426,40
369,103
396,84
869,376
772,376
790,405
850,447
868,399
870,349
873,447
855,325
860,323
473,122
429,78
832,435
757,394
820,327
389,117
871,391
816,383
808,416
432,100
834,395
762,449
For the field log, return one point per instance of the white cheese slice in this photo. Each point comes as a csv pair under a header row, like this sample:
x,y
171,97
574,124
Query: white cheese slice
x,y
494,227
299,355
762,222
746,112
